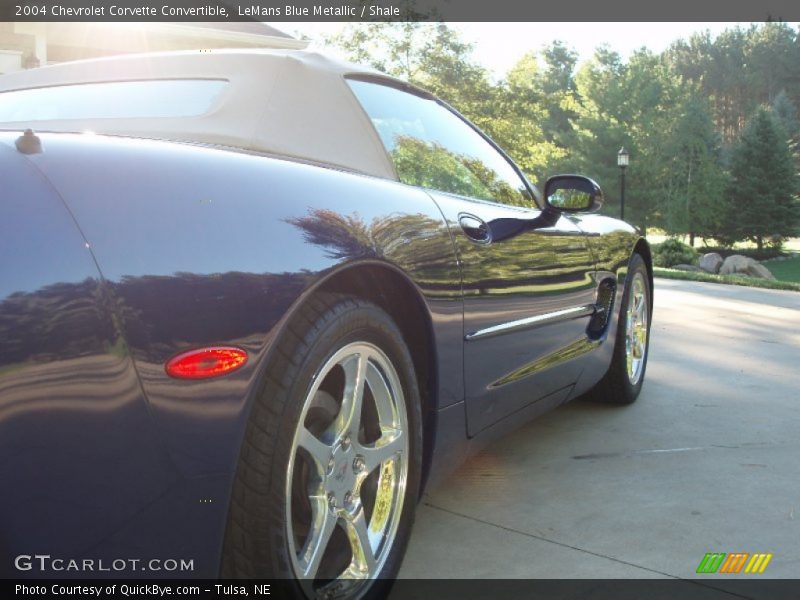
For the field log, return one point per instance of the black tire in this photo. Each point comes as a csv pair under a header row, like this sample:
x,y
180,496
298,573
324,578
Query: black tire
x,y
616,386
256,544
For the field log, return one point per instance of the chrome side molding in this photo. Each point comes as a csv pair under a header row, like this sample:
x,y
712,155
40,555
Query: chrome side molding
x,y
530,322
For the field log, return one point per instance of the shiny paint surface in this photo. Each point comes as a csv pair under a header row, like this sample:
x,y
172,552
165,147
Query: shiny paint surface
x,y
120,254
196,248
194,260
80,457
612,243
536,272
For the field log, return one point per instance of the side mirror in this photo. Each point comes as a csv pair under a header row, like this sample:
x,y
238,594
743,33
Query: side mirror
x,y
573,193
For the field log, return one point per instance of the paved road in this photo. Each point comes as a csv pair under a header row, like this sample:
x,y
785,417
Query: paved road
x,y
708,459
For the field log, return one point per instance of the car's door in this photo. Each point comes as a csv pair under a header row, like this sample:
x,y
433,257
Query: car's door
x,y
527,275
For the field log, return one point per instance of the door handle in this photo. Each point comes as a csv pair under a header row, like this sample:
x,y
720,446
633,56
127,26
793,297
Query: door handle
x,y
475,228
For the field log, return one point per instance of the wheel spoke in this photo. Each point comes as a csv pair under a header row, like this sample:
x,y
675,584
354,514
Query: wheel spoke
x,y
349,418
323,523
384,402
363,555
317,449
640,315
385,448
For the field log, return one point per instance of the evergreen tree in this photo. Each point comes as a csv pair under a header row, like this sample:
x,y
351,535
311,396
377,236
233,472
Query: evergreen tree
x,y
629,105
761,196
739,70
694,179
786,113
559,93
600,125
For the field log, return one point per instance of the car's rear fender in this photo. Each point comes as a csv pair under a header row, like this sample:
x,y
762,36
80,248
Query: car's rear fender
x,y
205,247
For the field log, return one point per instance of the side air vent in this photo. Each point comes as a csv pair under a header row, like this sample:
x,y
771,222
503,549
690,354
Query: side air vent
x,y
604,306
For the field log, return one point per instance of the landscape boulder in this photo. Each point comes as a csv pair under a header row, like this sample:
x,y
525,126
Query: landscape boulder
x,y
743,265
710,262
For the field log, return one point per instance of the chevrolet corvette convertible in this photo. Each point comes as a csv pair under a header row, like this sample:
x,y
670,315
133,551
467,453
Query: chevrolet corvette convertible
x,y
253,303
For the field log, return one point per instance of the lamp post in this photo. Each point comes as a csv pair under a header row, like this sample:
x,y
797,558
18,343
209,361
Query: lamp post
x,y
622,162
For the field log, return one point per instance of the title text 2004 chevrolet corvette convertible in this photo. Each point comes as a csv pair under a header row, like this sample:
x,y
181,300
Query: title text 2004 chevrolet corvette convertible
x,y
271,298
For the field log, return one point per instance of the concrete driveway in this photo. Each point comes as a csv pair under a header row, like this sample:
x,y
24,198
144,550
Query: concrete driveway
x,y
707,460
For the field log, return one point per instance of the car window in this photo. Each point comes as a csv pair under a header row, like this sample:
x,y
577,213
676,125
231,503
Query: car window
x,y
432,147
108,100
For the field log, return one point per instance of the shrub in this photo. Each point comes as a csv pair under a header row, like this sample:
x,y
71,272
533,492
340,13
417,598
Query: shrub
x,y
673,252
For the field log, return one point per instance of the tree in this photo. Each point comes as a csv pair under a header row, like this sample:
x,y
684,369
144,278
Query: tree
x,y
761,195
771,53
434,57
521,118
560,97
694,181
629,105
786,113
542,91
429,55
739,70
599,126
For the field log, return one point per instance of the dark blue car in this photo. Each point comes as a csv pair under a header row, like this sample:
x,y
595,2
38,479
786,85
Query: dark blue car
x,y
252,303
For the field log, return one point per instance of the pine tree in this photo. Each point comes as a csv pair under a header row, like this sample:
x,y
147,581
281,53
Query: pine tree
x,y
786,113
693,177
762,201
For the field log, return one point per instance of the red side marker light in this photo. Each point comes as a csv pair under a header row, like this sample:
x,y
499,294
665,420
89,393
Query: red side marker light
x,y
206,362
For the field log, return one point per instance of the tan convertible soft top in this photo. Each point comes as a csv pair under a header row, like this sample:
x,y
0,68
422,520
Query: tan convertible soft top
x,y
288,102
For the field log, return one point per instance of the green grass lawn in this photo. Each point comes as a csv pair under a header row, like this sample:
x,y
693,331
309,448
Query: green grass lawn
x,y
785,270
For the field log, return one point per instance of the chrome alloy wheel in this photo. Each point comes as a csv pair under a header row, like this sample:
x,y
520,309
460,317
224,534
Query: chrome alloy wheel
x,y
347,472
636,328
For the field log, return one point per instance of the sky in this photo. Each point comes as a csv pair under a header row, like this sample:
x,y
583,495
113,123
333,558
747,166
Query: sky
x,y
499,45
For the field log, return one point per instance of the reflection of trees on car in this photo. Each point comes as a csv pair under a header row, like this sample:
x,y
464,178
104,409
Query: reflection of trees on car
x,y
55,322
421,245
538,274
415,242
430,165
64,320
567,198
